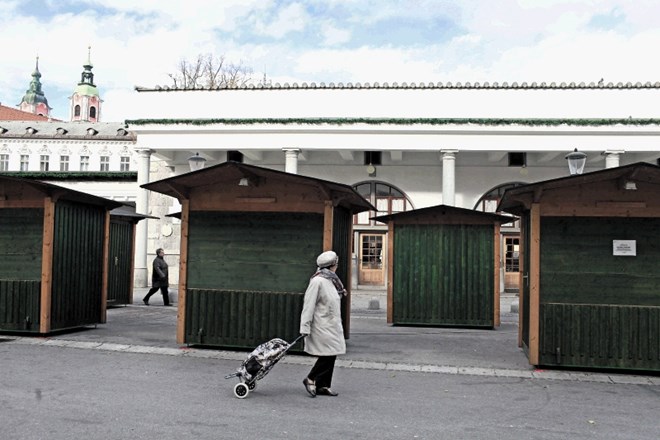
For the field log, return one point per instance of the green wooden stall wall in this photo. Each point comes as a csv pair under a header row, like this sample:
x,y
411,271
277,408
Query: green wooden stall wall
x,y
77,265
597,309
246,275
443,275
119,262
341,244
21,232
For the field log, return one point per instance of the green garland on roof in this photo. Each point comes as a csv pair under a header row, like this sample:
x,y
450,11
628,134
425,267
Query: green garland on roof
x,y
398,121
87,176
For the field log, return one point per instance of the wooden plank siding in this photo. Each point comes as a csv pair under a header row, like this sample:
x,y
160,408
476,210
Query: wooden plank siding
x,y
342,231
78,265
443,274
120,259
20,305
241,319
599,310
246,275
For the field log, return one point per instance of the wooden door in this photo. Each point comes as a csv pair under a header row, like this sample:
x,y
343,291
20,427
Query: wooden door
x,y
371,266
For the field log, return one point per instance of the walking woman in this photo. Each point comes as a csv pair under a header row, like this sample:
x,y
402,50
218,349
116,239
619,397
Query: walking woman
x,y
320,321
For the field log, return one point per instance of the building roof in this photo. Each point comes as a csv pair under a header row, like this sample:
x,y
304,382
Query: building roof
x,y
231,172
14,114
44,129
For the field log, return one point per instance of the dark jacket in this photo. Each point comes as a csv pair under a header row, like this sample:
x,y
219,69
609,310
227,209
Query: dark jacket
x,y
159,276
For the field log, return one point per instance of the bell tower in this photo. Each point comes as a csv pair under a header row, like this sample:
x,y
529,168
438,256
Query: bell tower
x,y
86,101
34,101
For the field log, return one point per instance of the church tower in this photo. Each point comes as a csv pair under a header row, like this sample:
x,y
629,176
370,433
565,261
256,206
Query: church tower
x,y
34,101
85,101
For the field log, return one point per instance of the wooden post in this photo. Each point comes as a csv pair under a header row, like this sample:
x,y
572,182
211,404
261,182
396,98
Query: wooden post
x,y
524,236
390,271
328,218
534,283
498,267
104,276
183,271
131,282
47,265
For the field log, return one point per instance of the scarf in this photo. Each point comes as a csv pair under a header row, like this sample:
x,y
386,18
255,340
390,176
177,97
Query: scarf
x,y
330,275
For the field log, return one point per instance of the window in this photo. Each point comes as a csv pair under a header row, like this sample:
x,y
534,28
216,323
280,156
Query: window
x,y
372,158
105,163
43,162
4,162
235,156
76,111
512,257
25,162
64,163
84,163
92,112
386,199
517,159
125,163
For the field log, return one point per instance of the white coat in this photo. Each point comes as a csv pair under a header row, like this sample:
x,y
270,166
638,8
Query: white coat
x,y
321,319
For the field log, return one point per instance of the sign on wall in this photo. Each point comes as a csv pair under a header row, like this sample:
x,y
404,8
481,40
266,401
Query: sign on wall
x,y
624,248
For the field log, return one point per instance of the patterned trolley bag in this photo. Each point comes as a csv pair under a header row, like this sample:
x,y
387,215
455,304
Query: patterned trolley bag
x,y
258,363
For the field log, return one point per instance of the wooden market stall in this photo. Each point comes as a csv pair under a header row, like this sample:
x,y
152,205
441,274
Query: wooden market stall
x,y
443,267
54,253
249,241
590,296
123,221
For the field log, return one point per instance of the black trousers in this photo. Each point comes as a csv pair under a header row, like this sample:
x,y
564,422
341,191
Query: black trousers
x,y
322,370
163,291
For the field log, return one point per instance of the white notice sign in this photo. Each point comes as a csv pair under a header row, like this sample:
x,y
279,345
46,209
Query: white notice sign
x,y
626,248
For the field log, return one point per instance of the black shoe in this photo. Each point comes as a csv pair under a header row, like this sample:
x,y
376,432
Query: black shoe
x,y
146,302
325,391
167,304
310,387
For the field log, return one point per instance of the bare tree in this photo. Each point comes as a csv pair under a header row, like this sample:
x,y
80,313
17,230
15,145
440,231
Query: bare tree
x,y
209,71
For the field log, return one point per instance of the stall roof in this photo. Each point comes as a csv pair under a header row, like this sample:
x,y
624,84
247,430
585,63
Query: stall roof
x,y
59,192
231,172
128,211
438,213
515,199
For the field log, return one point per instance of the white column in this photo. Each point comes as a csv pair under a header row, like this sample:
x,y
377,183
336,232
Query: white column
x,y
449,177
142,207
612,158
291,161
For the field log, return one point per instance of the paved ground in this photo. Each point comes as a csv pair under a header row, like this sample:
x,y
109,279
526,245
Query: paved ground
x,y
373,343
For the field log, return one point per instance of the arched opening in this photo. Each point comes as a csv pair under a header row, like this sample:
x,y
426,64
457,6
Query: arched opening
x,y
370,236
92,112
76,111
509,236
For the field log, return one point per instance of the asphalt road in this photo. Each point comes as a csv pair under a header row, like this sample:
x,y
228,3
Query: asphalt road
x,y
58,392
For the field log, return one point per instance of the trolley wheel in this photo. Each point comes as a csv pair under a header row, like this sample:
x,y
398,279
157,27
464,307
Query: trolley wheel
x,y
241,390
252,385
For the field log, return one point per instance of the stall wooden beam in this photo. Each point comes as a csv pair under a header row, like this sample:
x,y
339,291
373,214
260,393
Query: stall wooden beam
x,y
534,283
47,265
496,277
328,218
390,271
104,276
183,270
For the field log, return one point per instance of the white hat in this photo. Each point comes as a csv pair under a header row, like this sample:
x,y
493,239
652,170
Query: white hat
x,y
327,259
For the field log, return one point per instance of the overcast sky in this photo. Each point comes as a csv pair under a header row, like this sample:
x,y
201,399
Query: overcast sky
x,y
138,42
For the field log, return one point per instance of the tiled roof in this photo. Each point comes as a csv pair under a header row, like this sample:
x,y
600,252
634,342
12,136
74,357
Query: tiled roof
x,y
438,85
14,114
